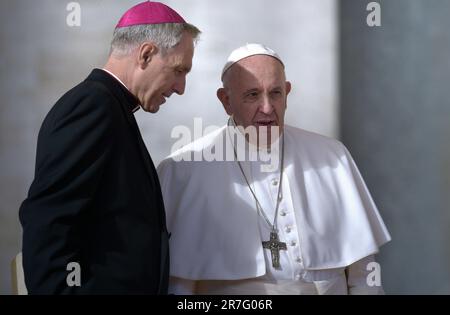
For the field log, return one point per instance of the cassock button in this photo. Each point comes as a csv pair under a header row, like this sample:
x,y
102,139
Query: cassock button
x,y
275,182
283,213
288,229
293,243
298,259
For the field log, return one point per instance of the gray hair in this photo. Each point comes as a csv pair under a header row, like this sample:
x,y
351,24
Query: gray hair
x,y
164,36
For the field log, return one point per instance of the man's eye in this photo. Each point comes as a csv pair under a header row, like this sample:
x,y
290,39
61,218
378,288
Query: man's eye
x,y
276,94
178,71
252,94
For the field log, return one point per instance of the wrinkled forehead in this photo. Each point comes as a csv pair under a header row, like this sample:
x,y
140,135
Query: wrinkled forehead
x,y
254,70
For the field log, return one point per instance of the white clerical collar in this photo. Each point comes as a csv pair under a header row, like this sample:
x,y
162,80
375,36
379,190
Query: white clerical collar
x,y
117,78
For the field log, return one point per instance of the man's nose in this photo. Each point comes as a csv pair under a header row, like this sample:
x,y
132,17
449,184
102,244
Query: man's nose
x,y
180,85
266,106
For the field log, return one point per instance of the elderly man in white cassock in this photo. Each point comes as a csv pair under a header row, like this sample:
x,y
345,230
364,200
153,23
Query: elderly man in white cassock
x,y
286,211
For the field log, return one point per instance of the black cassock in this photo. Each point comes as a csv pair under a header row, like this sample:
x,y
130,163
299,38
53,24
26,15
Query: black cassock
x,y
95,199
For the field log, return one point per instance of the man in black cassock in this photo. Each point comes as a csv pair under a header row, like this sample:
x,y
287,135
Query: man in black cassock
x,y
96,200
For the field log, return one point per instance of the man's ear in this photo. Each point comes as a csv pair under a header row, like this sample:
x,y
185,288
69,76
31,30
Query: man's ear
x,y
222,95
288,90
146,52
288,87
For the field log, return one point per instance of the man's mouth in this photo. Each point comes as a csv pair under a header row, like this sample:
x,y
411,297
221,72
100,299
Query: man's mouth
x,y
265,123
164,98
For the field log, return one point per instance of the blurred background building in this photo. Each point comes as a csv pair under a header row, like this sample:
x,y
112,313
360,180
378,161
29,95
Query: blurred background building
x,y
382,90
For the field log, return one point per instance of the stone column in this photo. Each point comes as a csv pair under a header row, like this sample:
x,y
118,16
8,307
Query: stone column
x,y
395,119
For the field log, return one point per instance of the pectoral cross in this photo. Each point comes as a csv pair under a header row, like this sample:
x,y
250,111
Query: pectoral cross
x,y
275,246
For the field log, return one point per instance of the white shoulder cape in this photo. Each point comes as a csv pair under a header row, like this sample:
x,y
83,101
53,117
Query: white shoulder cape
x,y
213,222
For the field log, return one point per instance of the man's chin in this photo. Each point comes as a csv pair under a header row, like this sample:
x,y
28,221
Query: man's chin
x,y
269,133
268,128
151,109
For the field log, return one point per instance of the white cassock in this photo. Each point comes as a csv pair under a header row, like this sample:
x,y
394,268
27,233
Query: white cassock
x,y
326,217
